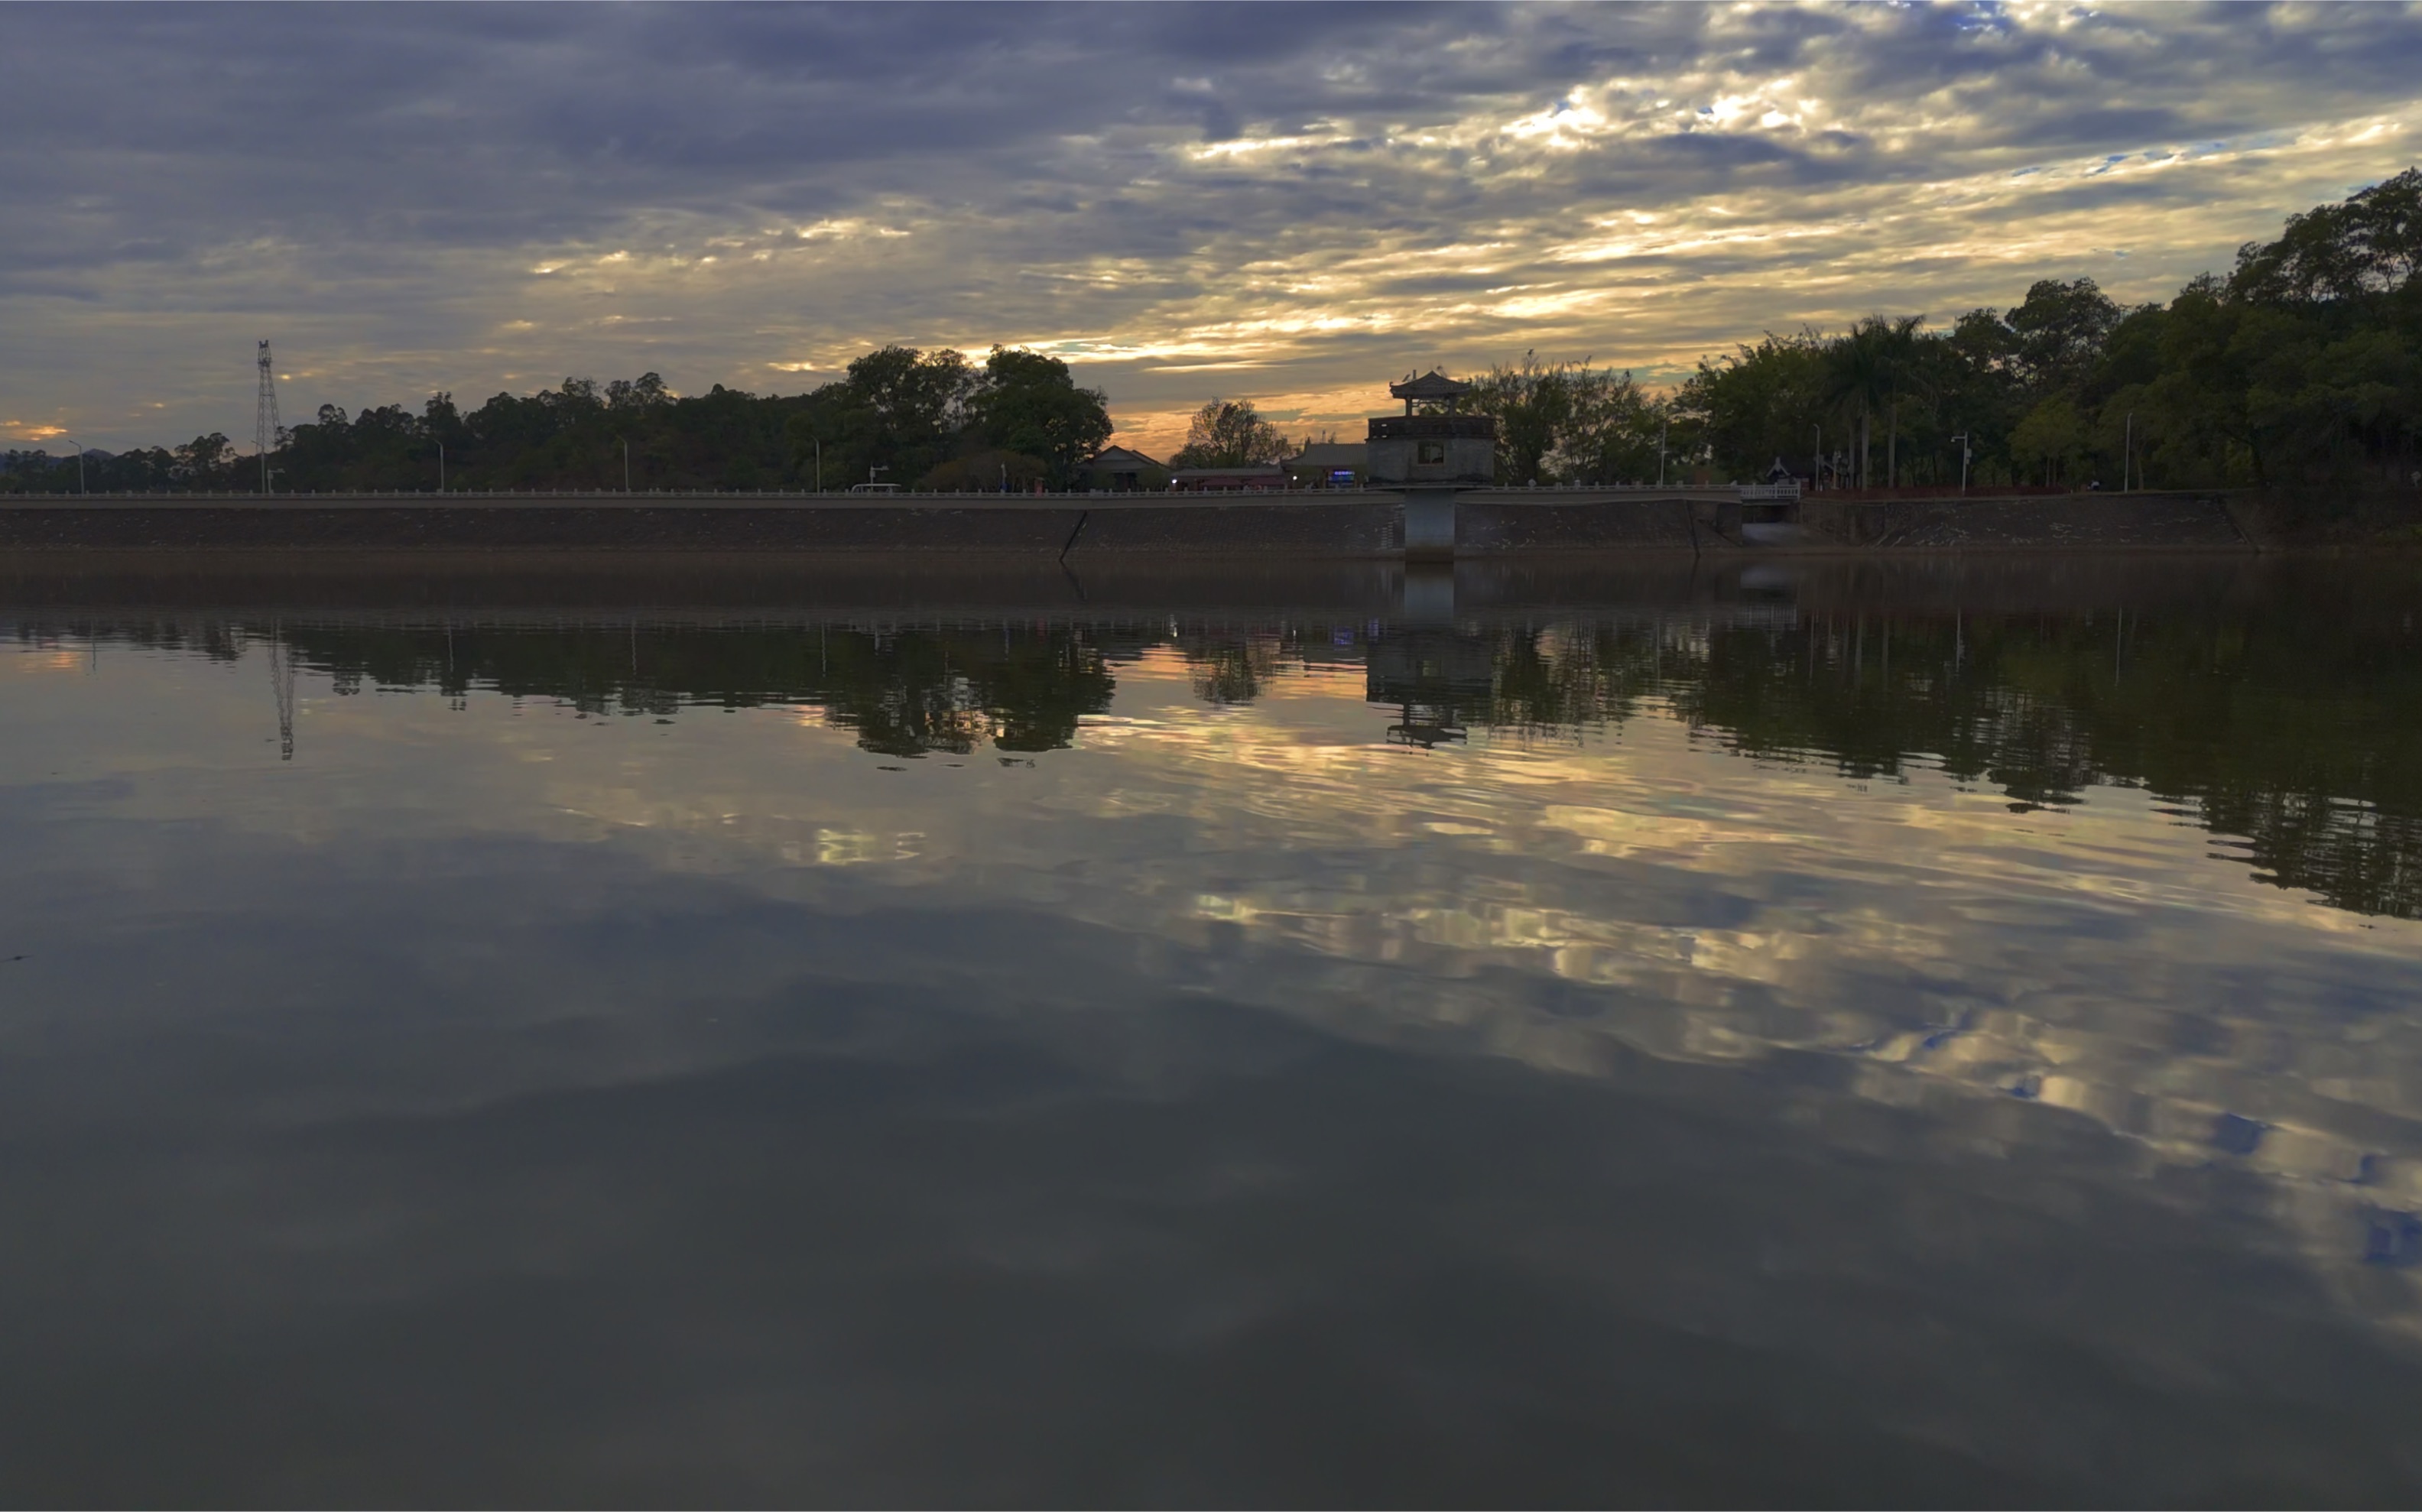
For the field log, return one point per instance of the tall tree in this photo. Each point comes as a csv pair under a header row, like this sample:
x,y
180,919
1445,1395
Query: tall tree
x,y
1228,434
2369,244
2059,332
1532,404
1026,404
1861,370
205,459
1758,403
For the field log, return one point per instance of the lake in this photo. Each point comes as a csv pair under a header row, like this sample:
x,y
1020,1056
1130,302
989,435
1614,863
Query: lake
x,y
726,1032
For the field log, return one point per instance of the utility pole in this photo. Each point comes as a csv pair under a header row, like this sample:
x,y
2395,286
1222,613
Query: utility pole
x,y
441,466
2126,449
626,466
264,415
1661,423
1817,462
820,465
1963,440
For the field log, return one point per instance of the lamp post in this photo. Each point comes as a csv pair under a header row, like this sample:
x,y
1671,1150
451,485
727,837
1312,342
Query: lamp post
x,y
1816,461
626,466
1661,451
79,455
441,466
820,465
1963,440
2126,449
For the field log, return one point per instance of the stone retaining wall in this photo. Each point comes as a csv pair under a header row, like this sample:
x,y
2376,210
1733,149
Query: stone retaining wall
x,y
1359,528
2061,522
1354,524
1490,526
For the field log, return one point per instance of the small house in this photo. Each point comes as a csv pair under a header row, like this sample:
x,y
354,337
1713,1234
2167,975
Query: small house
x,y
1121,470
1329,464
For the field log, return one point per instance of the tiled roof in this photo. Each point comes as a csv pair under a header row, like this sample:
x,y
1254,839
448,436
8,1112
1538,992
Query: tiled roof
x,y
1431,384
1332,454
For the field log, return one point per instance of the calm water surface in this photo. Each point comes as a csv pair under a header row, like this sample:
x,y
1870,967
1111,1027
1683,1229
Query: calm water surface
x,y
1808,1039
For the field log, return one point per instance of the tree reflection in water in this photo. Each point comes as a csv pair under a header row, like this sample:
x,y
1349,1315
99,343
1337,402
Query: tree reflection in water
x,y
2293,722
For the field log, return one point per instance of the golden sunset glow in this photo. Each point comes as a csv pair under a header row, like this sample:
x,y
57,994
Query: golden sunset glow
x,y
1642,186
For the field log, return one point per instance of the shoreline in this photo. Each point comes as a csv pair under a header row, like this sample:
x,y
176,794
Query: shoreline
x,y
65,588
1357,525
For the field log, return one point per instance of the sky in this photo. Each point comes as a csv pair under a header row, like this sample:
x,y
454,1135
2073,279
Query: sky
x,y
1293,204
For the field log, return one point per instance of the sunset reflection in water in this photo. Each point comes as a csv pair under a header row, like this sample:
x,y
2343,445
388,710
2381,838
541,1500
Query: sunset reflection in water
x,y
2016,937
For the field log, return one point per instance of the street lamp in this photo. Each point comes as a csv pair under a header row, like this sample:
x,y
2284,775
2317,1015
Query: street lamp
x,y
441,466
626,466
1660,452
79,456
1963,440
1816,461
2126,449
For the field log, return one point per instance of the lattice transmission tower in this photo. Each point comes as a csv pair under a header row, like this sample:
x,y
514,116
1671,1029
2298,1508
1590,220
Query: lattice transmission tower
x,y
281,688
265,423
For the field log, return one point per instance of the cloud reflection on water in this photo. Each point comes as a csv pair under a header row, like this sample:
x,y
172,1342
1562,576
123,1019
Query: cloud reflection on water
x,y
1182,1084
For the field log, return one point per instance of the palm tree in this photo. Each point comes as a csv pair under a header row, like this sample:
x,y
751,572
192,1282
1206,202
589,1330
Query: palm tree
x,y
1906,375
1856,379
1871,367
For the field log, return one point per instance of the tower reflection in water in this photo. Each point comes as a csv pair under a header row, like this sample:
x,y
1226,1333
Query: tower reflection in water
x,y
1799,988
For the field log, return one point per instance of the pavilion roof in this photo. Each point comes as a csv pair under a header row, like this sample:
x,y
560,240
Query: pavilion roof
x,y
1431,384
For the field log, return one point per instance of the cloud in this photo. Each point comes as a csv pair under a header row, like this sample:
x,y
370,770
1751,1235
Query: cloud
x,y
373,186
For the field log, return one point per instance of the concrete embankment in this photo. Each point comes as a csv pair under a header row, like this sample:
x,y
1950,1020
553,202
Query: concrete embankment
x,y
1362,524
1488,523
706,521
76,593
2101,521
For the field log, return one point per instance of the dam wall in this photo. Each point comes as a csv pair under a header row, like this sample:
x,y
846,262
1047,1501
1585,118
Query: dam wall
x,y
2100,522
1296,526
1350,525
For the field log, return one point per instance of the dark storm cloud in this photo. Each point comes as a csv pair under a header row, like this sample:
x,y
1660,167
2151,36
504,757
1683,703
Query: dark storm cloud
x,y
739,193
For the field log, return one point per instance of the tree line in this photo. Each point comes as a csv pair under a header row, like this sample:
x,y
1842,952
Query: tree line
x,y
2292,718
2301,367
916,418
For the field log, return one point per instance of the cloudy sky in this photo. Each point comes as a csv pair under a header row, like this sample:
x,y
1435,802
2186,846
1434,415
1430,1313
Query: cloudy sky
x,y
1291,204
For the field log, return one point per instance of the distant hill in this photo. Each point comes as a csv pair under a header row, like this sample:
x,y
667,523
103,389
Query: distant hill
x,y
43,459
